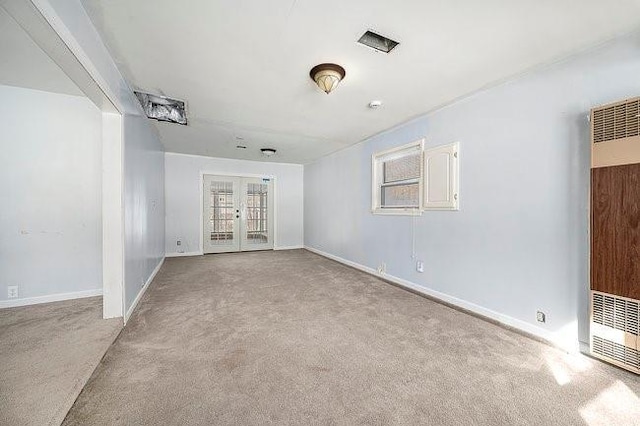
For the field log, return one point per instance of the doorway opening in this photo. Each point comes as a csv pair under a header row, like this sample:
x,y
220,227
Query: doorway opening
x,y
237,214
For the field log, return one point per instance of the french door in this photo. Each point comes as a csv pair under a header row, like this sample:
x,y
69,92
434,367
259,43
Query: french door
x,y
238,214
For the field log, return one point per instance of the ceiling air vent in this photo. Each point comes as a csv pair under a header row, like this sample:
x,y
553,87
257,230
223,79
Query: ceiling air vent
x,y
162,108
377,42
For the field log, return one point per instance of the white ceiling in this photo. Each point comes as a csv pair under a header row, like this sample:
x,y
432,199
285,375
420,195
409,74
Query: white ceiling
x,y
24,64
243,66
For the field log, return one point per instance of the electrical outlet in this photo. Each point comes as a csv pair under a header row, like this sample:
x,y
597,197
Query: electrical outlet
x,y
12,291
420,266
382,268
179,243
541,317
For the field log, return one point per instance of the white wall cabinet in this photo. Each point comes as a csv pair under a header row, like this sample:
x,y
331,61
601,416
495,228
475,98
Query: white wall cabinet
x,y
441,174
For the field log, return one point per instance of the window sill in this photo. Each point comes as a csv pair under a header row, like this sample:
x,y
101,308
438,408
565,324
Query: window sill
x,y
397,212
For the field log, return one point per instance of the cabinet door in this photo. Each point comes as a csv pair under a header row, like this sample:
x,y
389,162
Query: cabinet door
x,y
615,230
441,171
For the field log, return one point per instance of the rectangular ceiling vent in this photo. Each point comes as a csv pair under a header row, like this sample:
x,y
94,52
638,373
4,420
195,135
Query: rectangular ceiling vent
x,y
617,121
162,108
377,42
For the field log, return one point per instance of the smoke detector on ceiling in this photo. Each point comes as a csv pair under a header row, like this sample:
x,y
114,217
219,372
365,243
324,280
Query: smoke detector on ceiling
x,y
375,104
162,108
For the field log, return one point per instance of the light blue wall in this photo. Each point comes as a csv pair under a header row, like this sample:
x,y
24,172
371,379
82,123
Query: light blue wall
x,y
50,195
143,204
519,242
143,153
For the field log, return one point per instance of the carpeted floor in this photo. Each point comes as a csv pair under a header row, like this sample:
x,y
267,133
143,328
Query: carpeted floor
x,y
47,354
293,338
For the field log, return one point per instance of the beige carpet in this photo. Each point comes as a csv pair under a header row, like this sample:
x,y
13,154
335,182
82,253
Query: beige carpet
x,y
293,338
47,354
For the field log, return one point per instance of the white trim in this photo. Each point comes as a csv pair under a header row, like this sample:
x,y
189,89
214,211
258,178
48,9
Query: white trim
x,y
49,13
261,162
12,303
477,309
142,291
585,348
288,247
112,215
187,254
398,212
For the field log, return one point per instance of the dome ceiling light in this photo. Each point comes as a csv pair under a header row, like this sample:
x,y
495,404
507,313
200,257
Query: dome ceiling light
x,y
268,152
327,76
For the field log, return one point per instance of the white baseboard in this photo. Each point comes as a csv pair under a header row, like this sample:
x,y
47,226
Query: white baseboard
x,y
190,253
142,291
50,298
585,348
288,247
199,253
551,337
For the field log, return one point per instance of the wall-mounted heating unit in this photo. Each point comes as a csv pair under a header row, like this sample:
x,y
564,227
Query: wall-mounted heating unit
x,y
615,233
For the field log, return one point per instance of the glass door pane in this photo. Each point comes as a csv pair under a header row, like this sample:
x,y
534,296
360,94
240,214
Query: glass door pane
x,y
221,214
257,213
257,218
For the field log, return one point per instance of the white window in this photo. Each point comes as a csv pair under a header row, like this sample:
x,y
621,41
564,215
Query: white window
x,y
441,177
398,180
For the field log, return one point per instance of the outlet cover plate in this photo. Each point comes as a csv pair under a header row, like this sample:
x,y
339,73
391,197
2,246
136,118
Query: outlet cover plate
x,y
12,291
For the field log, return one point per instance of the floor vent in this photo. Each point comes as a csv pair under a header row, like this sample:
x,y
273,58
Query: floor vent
x,y
615,331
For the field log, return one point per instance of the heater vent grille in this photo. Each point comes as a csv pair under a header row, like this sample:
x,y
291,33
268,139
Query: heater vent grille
x,y
614,330
621,314
617,352
617,121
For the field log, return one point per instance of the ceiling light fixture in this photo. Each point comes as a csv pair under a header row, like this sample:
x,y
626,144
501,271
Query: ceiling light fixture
x,y
327,76
268,152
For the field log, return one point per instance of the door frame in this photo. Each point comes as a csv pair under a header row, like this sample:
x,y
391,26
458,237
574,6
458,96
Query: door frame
x,y
274,182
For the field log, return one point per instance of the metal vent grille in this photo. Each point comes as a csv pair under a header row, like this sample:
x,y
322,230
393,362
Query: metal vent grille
x,y
615,351
377,42
616,121
615,312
